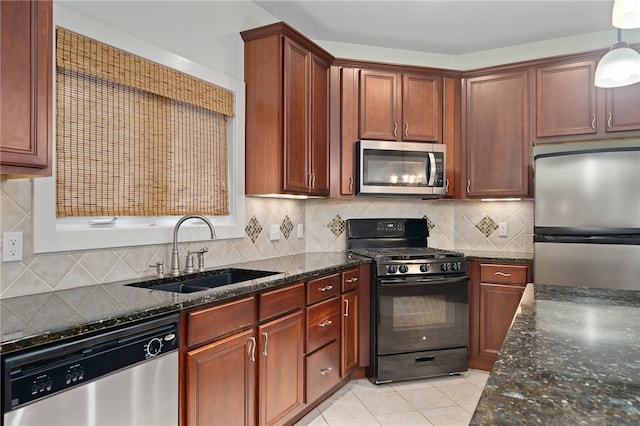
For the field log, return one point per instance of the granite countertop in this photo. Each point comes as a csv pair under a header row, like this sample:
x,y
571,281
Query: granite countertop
x,y
498,256
33,320
572,356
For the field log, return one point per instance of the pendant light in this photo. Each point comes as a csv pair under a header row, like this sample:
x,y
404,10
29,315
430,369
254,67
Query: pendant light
x,y
619,67
626,14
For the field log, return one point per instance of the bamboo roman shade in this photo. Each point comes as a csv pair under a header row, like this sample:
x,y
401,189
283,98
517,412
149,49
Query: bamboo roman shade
x,y
135,138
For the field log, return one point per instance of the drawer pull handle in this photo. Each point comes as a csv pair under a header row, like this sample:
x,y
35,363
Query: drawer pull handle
x,y
352,280
426,358
502,274
325,371
266,341
325,288
252,357
593,121
325,323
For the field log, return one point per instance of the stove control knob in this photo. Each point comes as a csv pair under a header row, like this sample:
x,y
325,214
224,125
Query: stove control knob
x,y
404,269
424,267
456,266
444,267
392,269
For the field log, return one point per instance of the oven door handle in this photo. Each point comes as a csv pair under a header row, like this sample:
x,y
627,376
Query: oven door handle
x,y
412,281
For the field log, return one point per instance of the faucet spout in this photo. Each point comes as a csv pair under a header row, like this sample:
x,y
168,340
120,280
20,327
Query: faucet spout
x,y
175,260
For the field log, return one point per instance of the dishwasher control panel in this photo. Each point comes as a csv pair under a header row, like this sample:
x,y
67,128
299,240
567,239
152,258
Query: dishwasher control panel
x,y
41,372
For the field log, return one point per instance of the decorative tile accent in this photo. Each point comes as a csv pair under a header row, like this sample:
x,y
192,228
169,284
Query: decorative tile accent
x,y
430,225
337,225
487,226
286,227
253,229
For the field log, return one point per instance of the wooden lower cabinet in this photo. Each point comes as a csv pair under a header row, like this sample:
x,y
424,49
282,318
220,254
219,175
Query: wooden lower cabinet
x,y
270,358
495,290
281,371
221,382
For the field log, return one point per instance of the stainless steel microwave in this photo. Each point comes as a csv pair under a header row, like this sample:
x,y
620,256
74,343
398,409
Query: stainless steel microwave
x,y
401,168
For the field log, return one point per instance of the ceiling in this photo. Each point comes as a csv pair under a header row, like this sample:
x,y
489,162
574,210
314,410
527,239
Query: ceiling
x,y
452,27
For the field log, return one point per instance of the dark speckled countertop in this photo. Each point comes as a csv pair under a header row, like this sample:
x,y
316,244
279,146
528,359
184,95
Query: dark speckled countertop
x,y
571,357
29,321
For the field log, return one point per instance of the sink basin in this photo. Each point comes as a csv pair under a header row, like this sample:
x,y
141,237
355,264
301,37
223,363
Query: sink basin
x,y
217,278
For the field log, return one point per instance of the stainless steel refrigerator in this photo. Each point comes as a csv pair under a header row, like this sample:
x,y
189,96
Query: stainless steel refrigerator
x,y
587,214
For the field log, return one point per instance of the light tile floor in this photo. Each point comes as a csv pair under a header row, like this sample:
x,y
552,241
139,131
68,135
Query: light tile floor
x,y
447,400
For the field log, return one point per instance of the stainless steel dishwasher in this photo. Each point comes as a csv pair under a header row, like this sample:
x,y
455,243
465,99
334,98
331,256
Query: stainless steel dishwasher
x,y
126,376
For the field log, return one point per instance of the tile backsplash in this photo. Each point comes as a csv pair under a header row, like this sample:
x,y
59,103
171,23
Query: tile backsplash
x,y
461,225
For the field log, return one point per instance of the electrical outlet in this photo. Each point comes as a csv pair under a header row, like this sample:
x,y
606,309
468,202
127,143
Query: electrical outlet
x,y
11,246
502,229
300,230
274,235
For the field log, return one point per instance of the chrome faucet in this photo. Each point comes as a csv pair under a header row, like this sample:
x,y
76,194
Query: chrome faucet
x,y
175,260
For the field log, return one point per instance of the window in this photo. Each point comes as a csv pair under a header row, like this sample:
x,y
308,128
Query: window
x,y
59,234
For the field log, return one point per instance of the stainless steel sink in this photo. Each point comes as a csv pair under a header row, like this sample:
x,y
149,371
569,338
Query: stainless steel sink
x,y
217,278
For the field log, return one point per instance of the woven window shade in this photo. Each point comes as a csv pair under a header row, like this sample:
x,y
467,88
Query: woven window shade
x,y
127,150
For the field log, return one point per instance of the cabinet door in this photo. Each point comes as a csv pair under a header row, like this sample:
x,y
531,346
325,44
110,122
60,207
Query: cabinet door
x,y
421,109
280,376
498,304
497,146
349,335
380,116
623,108
349,129
221,382
25,87
566,99
319,137
297,64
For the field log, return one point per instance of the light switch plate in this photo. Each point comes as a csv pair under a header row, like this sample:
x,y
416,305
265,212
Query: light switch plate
x,y
274,234
300,230
502,229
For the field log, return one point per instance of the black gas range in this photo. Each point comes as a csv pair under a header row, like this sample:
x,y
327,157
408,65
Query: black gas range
x,y
419,300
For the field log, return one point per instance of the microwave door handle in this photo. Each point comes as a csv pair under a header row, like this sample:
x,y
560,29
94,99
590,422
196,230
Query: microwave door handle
x,y
432,169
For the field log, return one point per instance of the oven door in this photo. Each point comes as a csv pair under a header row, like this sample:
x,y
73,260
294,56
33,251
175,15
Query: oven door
x,y
417,314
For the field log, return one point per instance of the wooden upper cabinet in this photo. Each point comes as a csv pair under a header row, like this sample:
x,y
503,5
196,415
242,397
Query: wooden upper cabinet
x,y
379,107
623,108
421,110
566,99
287,112
395,106
496,135
26,87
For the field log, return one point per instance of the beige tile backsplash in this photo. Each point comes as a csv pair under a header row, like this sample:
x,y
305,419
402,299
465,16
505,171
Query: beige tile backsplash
x,y
462,225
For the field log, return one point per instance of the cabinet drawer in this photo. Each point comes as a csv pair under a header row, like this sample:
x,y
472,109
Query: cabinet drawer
x,y
323,288
280,301
323,323
208,324
503,274
322,371
350,279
